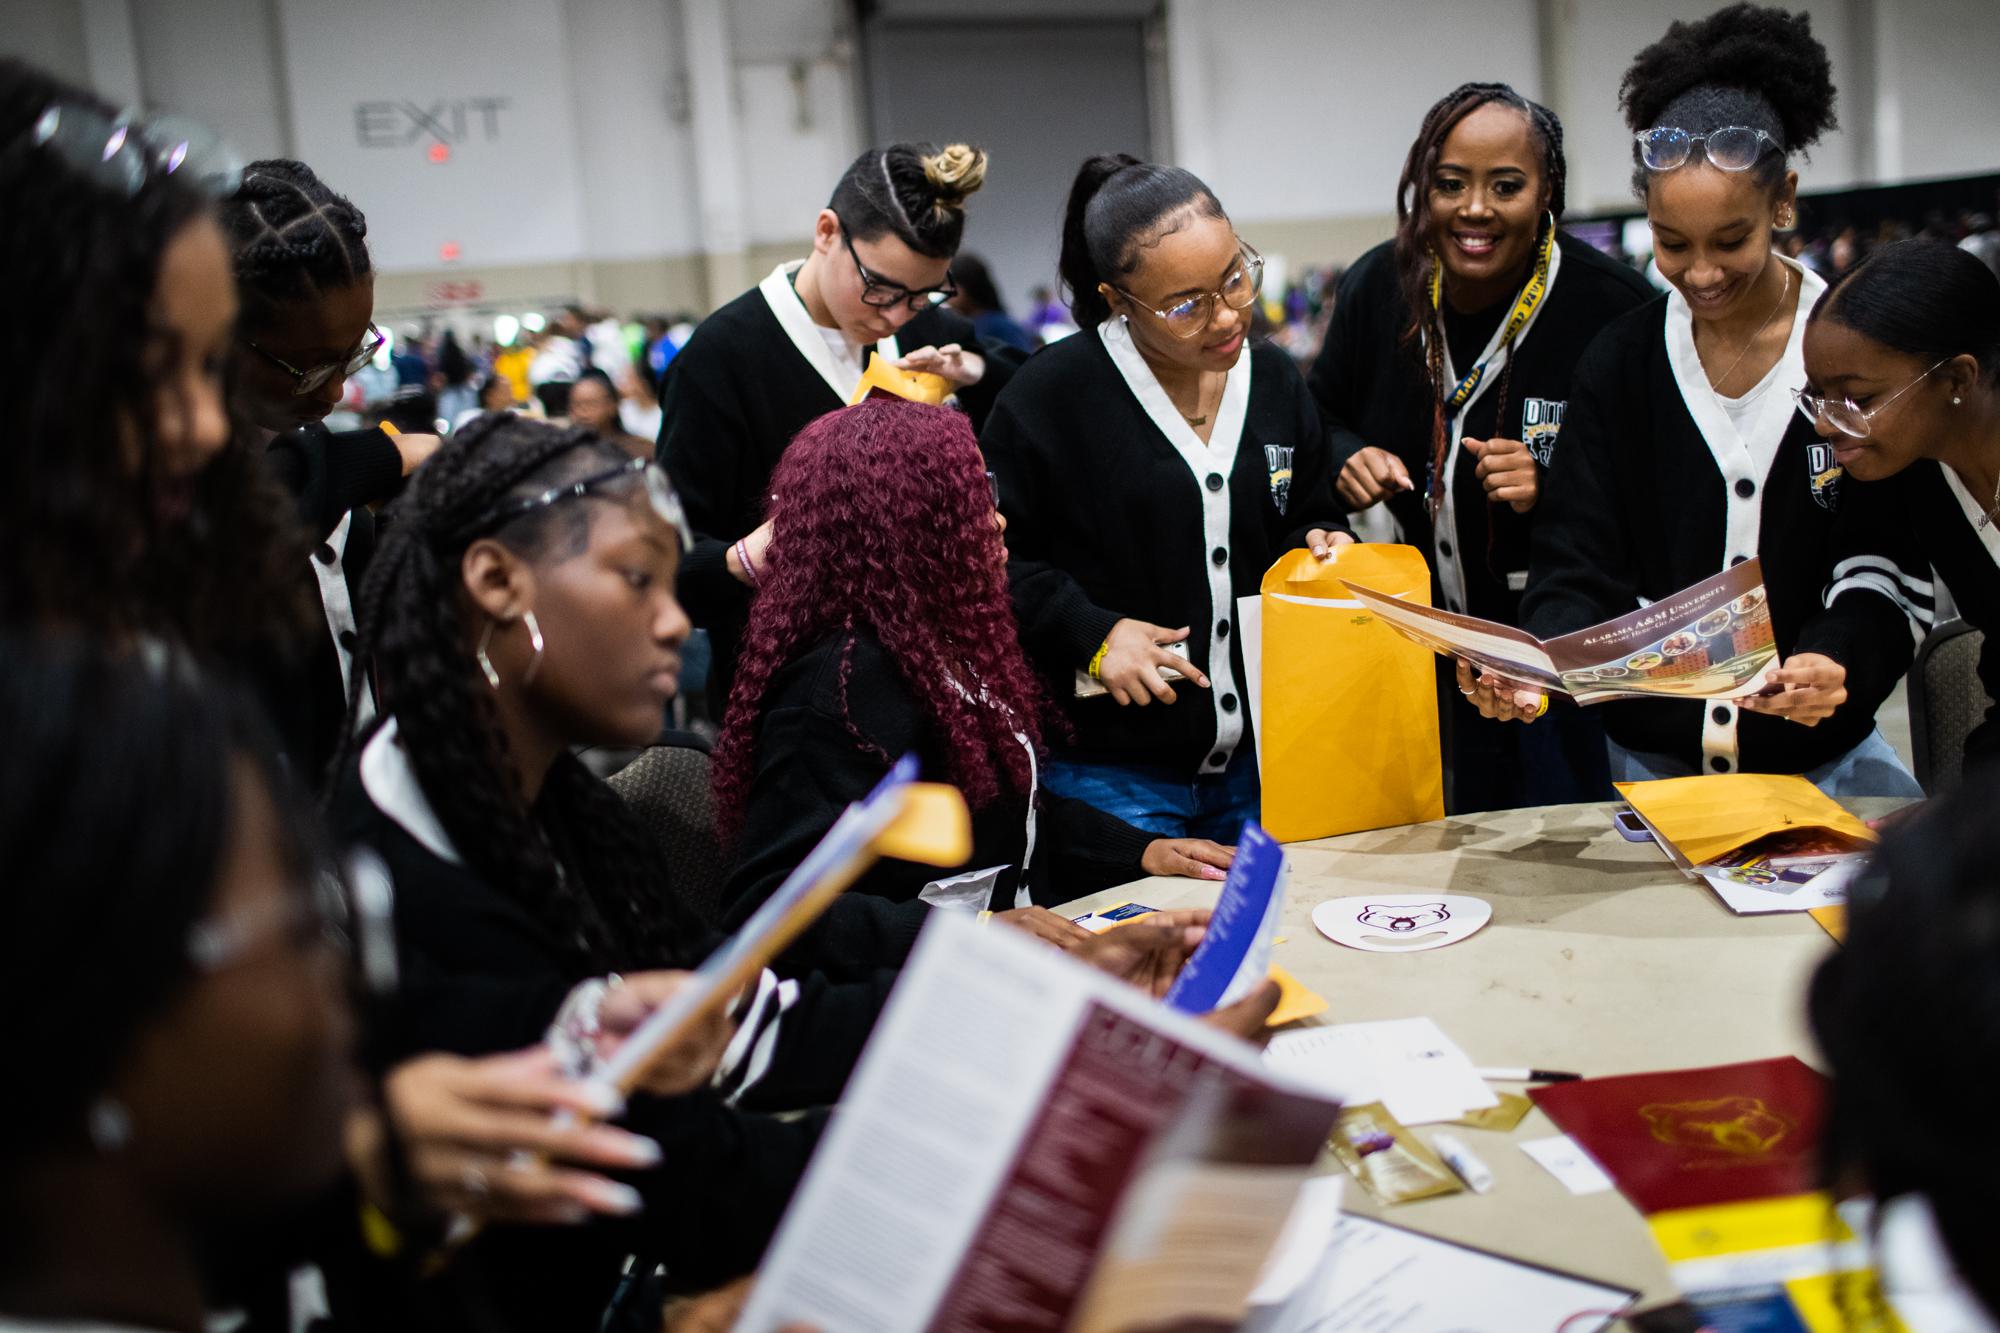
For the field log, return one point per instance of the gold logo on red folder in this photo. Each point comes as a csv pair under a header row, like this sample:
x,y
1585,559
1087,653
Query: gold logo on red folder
x,y
1739,1126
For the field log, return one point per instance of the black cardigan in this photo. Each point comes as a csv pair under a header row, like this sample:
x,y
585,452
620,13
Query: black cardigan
x,y
480,974
1637,507
1107,521
822,744
1920,500
730,403
1373,391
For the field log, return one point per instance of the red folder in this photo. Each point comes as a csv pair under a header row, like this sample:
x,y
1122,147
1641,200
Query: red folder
x,y
1690,1137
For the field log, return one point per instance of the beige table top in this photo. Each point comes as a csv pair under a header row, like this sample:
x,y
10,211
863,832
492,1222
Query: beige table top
x,y
1601,958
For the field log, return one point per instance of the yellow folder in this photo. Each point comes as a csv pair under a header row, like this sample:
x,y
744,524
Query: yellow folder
x,y
1703,817
919,386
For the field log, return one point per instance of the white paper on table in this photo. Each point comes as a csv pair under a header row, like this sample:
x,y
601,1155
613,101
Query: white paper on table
x,y
1826,889
1565,1159
1250,626
1407,1064
1381,1278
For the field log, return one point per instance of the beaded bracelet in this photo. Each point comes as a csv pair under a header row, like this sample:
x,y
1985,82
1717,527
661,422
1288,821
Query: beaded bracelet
x,y
743,554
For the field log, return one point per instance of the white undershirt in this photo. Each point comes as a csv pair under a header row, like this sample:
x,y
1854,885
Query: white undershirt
x,y
846,357
1743,411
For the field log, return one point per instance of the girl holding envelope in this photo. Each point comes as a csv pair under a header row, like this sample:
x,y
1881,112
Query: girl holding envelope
x,y
1151,468
1452,415
793,348
1903,381
1682,454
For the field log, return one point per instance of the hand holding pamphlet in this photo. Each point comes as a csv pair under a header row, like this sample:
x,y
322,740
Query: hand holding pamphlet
x,y
1709,641
1234,957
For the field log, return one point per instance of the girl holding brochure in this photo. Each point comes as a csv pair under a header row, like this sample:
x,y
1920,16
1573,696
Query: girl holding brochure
x,y
523,604
1682,454
1902,361
1151,468
1453,416
857,654
793,348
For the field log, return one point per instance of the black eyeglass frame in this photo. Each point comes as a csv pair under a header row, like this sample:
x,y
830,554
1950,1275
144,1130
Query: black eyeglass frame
x,y
919,298
305,381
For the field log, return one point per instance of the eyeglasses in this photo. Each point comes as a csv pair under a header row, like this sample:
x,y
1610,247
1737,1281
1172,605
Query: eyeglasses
x,y
121,152
305,381
1842,413
659,494
309,921
883,294
1731,148
1190,315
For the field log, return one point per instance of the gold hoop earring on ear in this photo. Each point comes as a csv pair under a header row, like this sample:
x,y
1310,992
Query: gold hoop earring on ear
x,y
534,638
485,662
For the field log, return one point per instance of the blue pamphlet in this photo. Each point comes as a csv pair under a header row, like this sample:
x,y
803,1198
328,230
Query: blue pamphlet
x,y
1235,955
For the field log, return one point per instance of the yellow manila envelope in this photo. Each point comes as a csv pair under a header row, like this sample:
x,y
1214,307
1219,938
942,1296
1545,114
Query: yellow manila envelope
x,y
1704,817
919,386
1348,724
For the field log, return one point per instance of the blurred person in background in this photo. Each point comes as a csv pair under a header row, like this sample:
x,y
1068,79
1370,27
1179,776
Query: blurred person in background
x,y
979,300
594,405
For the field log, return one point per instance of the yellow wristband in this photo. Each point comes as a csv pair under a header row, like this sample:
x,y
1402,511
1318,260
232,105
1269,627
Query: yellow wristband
x,y
1097,662
984,917
1545,706
388,428
379,1233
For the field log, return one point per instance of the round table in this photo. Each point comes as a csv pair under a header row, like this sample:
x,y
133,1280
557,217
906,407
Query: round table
x,y
1601,958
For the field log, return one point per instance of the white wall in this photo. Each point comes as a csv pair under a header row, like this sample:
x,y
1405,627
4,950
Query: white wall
x,y
216,60
635,153
1304,110
1939,87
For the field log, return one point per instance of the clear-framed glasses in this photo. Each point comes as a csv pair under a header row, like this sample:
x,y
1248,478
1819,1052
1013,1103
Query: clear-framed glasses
x,y
659,494
1188,316
309,921
312,377
1842,413
1731,148
121,152
884,294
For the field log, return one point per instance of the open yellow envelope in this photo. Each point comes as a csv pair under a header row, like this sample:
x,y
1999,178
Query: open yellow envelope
x,y
934,828
1703,817
916,385
1348,725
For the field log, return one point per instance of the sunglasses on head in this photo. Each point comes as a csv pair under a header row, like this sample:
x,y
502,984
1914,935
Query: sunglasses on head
x,y
659,494
1731,148
124,150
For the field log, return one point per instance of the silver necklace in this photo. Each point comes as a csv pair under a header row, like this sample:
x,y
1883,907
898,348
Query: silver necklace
x,y
1783,291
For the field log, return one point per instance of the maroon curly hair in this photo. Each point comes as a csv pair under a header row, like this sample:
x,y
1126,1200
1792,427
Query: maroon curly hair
x,y
883,521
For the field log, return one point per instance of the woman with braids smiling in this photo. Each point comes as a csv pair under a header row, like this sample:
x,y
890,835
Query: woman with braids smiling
x,y
861,651
1444,377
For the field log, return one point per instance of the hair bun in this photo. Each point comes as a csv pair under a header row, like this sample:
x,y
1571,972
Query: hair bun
x,y
1755,47
955,171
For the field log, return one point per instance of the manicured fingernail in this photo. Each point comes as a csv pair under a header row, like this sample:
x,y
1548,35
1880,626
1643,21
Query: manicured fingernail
x,y
614,1197
636,1149
602,1099
1210,872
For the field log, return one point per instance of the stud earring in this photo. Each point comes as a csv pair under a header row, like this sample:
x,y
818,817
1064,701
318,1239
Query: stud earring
x,y
1954,400
109,1125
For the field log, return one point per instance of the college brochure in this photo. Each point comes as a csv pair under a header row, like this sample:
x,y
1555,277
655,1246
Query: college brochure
x,y
1709,641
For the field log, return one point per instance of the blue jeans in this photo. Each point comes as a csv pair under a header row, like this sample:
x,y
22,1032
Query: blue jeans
x,y
1171,803
1871,768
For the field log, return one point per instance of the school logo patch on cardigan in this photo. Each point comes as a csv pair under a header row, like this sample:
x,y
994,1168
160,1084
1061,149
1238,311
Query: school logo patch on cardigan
x,y
1278,458
1824,474
1541,421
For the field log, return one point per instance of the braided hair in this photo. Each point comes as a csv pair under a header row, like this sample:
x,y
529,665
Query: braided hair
x,y
292,238
94,535
577,859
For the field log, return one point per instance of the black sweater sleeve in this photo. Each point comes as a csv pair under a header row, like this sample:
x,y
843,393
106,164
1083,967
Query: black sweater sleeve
x,y
1584,570
1873,617
1088,849
329,474
703,445
1059,622
1347,360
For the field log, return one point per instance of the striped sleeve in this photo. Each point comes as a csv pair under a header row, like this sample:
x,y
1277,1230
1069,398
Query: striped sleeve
x,y
747,1059
1915,597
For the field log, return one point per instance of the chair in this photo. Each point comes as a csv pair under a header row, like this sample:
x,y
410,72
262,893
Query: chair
x,y
667,786
1947,701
